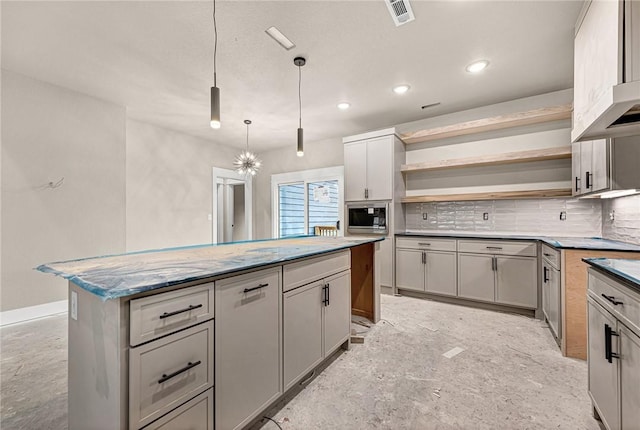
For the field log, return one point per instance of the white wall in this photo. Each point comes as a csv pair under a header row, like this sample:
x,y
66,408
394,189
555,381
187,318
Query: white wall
x,y
49,133
324,153
626,223
169,186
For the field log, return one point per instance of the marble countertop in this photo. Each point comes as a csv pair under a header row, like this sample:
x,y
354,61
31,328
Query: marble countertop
x,y
115,276
595,243
628,270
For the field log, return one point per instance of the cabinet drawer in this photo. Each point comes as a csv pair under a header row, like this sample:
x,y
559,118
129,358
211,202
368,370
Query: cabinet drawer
x,y
168,372
196,414
498,247
426,243
552,255
155,316
310,270
628,307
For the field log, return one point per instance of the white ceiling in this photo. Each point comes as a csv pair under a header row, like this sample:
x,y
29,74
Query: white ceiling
x,y
155,58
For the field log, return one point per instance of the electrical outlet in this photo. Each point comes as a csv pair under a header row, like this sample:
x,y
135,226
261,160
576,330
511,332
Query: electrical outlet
x,y
563,216
612,216
485,216
74,305
209,217
424,215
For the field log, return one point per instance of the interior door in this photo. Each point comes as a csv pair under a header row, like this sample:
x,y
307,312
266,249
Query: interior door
x,y
355,170
410,269
603,376
476,277
517,281
440,276
337,311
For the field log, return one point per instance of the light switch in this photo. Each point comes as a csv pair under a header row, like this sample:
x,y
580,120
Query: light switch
x,y
563,216
424,216
485,216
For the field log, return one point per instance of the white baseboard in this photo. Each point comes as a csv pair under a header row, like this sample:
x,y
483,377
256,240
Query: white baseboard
x,y
16,316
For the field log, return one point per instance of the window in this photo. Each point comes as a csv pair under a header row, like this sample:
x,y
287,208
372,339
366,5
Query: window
x,y
304,200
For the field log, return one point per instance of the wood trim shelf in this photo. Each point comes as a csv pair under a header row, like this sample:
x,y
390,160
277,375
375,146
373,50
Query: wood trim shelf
x,y
535,116
555,153
497,195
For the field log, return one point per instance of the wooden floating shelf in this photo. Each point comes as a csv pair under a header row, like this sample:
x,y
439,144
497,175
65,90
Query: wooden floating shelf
x,y
518,119
497,195
556,153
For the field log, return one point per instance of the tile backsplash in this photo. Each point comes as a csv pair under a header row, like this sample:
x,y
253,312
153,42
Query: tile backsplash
x,y
527,217
625,225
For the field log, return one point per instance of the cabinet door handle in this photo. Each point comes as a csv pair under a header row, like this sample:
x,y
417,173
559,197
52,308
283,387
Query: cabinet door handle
x,y
612,299
577,186
545,276
187,309
328,294
166,377
247,290
589,176
424,258
366,193
608,334
494,264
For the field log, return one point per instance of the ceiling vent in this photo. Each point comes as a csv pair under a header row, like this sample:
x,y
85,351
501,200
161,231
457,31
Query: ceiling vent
x,y
400,11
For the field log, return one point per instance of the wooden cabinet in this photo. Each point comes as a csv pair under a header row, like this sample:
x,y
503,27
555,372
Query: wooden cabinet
x,y
248,346
421,266
317,320
486,272
614,351
368,169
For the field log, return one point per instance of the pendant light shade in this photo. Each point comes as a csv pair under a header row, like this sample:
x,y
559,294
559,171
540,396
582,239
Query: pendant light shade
x,y
247,163
300,61
215,91
215,107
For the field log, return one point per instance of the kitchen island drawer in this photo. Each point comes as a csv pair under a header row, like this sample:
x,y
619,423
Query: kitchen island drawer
x,y
162,314
168,372
310,270
498,247
196,414
426,243
622,302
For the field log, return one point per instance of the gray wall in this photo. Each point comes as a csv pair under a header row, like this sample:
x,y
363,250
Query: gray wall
x,y
169,186
626,223
49,133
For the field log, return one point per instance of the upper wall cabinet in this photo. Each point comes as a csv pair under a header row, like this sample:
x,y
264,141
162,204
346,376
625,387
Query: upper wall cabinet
x,y
368,168
605,165
607,70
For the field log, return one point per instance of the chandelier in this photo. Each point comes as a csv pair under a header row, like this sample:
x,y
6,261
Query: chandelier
x,y
247,163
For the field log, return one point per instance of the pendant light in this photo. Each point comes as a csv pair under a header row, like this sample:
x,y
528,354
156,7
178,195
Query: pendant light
x,y
215,91
247,163
300,61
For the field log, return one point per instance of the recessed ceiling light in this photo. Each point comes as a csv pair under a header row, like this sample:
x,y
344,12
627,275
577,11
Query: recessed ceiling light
x,y
401,89
344,105
280,38
477,66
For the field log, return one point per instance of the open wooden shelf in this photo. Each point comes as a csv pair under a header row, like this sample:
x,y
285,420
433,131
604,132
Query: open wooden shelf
x,y
555,153
496,195
535,116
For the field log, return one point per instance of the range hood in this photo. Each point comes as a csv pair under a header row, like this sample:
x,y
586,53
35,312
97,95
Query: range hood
x,y
607,70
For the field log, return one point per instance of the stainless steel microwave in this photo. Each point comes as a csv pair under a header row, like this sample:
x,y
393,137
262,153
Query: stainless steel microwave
x,y
367,218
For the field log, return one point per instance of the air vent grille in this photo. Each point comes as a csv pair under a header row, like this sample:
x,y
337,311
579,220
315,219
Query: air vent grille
x,y
400,11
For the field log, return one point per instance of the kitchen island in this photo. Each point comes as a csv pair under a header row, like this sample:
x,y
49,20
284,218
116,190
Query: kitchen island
x,y
183,337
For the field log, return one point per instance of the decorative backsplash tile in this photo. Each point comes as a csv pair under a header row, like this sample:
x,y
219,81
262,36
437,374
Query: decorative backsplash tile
x,y
625,225
529,217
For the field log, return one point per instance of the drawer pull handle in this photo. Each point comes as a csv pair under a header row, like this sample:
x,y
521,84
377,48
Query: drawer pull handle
x,y
424,244
494,247
612,299
189,366
546,255
170,314
248,290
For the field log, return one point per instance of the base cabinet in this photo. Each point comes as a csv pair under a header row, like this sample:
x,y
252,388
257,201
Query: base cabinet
x,y
517,281
476,277
629,379
317,320
427,270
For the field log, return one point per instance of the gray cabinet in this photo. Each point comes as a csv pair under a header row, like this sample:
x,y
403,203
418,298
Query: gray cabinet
x,y
248,346
196,414
516,281
426,265
368,169
476,277
551,299
629,379
317,320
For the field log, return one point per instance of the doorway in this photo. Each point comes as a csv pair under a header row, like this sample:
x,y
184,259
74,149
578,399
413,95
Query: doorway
x,y
231,207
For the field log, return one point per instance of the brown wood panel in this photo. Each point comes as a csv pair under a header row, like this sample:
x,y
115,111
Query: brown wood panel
x,y
518,119
574,298
362,280
496,195
555,153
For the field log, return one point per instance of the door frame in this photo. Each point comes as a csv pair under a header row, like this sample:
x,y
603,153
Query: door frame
x,y
229,177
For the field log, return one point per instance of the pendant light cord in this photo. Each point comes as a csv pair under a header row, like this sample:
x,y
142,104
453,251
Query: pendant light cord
x,y
300,93
247,137
215,43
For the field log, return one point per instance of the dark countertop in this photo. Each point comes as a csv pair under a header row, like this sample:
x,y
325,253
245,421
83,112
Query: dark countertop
x,y
594,243
115,276
622,269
